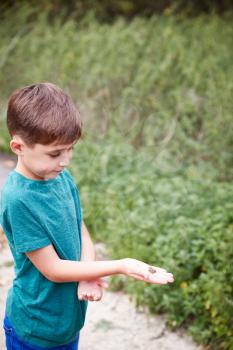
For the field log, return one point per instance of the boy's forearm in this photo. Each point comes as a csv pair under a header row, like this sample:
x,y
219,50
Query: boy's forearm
x,y
74,271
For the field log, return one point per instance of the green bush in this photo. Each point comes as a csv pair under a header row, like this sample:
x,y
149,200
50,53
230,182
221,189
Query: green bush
x,y
173,221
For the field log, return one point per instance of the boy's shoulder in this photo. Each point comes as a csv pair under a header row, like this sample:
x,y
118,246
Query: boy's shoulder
x,y
70,178
67,174
12,193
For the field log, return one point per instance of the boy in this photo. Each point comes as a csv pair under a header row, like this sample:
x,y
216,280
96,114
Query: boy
x,y
42,218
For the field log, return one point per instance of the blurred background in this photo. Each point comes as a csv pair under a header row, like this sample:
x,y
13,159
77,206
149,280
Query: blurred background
x,y
154,83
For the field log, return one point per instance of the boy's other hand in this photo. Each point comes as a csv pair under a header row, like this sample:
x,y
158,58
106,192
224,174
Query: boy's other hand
x,y
91,290
144,272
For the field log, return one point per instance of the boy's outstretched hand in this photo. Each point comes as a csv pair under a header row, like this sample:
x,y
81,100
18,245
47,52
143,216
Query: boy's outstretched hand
x,y
144,272
91,290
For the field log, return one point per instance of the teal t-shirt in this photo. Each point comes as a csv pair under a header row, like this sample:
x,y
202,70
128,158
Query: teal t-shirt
x,y
35,214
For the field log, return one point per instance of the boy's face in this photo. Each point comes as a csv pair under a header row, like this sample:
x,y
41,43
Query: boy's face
x,y
41,162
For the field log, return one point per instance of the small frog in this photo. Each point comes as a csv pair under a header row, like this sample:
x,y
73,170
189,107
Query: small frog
x,y
152,269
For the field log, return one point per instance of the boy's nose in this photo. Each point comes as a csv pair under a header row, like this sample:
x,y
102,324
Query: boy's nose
x,y
65,159
64,163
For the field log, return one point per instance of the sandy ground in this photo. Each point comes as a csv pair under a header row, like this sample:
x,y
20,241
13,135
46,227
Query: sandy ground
x,y
112,324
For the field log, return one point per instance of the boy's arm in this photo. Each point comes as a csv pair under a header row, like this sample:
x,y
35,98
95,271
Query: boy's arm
x,y
55,269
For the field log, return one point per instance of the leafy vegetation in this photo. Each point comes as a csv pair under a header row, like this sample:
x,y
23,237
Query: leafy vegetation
x,y
160,84
155,165
168,220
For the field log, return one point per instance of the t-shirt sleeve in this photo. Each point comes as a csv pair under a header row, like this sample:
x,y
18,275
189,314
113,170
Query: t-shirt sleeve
x,y
27,231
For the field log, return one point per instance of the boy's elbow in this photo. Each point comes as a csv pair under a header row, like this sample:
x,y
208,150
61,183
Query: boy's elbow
x,y
53,278
57,273
53,275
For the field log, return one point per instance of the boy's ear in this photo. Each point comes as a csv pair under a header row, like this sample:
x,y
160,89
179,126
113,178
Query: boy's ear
x,y
17,145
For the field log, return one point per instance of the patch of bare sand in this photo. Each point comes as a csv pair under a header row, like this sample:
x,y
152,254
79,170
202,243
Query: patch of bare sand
x,y
114,323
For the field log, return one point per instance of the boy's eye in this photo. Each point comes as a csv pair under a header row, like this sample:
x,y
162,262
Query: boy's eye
x,y
54,155
58,154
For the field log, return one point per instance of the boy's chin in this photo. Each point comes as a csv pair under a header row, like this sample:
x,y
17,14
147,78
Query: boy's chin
x,y
51,176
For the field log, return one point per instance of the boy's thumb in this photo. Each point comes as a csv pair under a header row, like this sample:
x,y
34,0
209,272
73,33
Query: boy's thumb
x,y
102,283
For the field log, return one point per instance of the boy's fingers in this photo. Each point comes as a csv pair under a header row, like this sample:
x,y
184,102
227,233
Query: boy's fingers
x,y
167,276
154,278
164,273
163,279
95,298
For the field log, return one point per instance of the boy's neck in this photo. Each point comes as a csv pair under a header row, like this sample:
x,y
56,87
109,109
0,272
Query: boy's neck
x,y
21,169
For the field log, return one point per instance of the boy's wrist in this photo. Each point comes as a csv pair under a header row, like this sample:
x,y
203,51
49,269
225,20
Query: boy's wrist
x,y
115,267
121,266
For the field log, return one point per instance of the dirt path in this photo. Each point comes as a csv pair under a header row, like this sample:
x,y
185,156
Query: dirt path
x,y
112,324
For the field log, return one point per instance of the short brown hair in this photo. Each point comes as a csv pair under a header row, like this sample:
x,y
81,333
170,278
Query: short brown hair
x,y
43,113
